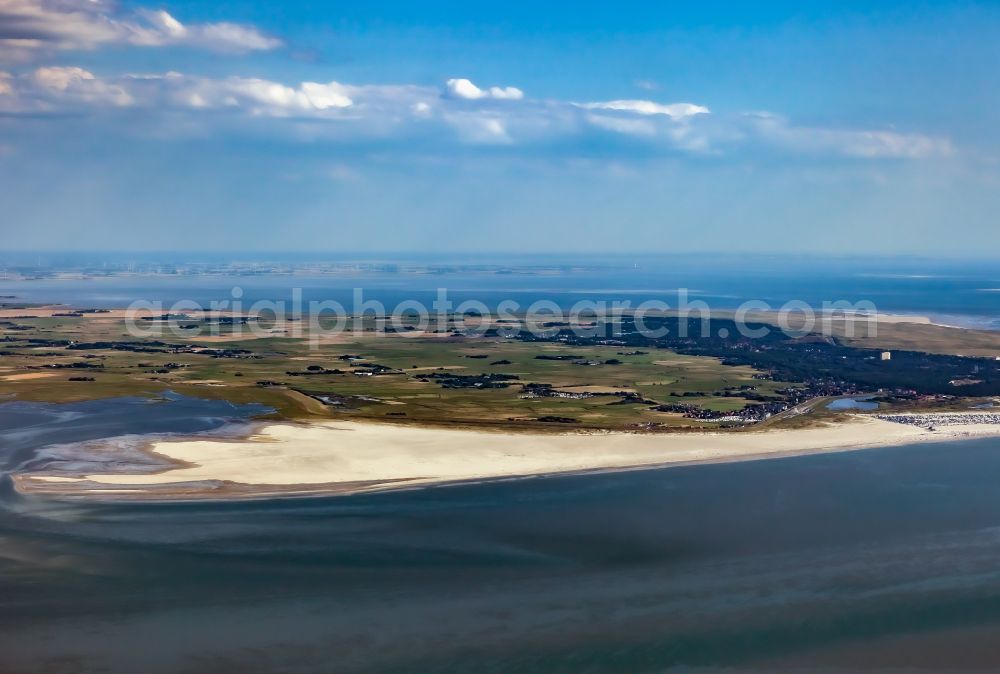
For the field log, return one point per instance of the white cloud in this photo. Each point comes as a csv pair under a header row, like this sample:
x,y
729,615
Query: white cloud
x,y
421,109
71,89
465,89
639,107
329,95
61,78
175,103
29,28
636,127
260,96
81,86
667,124
480,129
861,143
159,28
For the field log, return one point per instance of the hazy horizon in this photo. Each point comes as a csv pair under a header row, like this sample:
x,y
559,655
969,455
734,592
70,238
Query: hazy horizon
x,y
696,259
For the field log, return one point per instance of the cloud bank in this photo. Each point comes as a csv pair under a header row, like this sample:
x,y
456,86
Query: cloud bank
x,y
463,88
673,110
459,112
30,29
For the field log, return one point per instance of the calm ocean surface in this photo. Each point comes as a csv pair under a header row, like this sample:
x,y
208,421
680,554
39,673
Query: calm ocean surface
x,y
965,294
877,560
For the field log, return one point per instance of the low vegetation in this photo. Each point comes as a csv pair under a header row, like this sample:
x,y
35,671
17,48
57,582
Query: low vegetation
x,y
628,382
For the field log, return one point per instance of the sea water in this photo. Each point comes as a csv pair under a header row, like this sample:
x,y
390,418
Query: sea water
x,y
952,293
883,557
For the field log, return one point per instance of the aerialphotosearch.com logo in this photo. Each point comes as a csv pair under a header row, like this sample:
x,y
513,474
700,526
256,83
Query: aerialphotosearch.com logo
x,y
319,321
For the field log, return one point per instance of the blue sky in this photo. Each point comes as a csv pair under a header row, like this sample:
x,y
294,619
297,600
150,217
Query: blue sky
x,y
552,127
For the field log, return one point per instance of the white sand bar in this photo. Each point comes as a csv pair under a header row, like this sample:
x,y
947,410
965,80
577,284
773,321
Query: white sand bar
x,y
395,455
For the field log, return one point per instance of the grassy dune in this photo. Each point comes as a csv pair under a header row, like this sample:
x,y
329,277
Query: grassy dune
x,y
658,375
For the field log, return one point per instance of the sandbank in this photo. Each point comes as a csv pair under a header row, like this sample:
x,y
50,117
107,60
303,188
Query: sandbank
x,y
345,456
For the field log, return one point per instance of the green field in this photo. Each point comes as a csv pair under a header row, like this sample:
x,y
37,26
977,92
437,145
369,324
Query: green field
x,y
408,394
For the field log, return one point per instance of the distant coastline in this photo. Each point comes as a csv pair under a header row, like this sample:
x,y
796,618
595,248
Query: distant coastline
x,y
903,287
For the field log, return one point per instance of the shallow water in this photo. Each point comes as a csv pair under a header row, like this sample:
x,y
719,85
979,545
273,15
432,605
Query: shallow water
x,y
881,557
26,426
843,404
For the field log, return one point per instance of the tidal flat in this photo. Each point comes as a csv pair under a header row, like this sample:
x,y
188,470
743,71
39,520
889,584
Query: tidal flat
x,y
885,555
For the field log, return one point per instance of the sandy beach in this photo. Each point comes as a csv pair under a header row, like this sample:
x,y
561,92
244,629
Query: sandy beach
x,y
341,457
